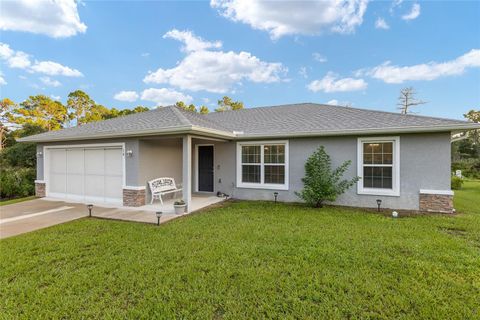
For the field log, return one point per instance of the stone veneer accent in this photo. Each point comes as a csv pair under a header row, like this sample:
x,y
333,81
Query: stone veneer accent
x,y
40,189
133,197
436,202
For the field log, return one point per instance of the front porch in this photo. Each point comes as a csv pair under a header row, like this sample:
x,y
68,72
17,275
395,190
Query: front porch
x,y
147,213
187,159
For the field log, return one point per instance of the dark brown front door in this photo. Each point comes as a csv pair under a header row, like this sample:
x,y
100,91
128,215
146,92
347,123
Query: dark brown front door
x,y
205,168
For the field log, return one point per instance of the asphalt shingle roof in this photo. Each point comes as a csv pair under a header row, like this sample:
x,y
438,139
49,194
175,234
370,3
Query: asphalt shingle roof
x,y
288,120
311,117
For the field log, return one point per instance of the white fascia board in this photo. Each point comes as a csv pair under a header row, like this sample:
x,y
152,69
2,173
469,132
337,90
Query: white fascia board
x,y
468,126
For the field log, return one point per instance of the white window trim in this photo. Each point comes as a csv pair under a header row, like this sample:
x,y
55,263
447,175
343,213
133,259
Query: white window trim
x,y
395,191
261,185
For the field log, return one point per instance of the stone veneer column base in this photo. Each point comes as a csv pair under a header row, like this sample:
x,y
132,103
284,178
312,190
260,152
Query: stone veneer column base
x,y
40,189
436,201
134,197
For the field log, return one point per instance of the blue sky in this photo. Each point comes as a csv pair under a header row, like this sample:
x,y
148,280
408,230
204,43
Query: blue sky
x,y
125,53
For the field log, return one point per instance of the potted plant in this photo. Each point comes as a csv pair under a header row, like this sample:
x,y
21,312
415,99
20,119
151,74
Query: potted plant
x,y
179,206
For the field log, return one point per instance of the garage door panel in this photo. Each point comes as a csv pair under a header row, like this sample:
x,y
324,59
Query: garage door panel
x,y
57,183
94,185
75,163
94,161
86,174
57,161
111,189
114,162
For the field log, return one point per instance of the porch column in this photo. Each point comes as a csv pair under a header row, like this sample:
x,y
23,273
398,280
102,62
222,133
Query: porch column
x,y
187,171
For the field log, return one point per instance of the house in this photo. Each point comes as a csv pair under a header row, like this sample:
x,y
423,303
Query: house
x,y
404,160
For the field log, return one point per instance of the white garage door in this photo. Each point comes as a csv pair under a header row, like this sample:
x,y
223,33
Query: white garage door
x,y
86,174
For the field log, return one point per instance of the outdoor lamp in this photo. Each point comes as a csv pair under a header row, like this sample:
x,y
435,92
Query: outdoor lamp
x,y
379,203
159,215
275,194
89,207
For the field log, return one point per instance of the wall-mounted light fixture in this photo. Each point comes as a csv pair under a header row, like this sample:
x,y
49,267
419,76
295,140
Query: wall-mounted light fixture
x,y
39,153
129,153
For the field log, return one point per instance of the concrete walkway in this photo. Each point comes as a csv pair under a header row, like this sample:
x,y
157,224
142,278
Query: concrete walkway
x,y
37,214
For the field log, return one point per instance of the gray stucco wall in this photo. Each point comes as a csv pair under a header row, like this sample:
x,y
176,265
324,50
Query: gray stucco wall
x,y
159,158
424,164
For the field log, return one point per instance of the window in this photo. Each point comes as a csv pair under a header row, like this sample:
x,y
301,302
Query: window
x,y
262,165
379,166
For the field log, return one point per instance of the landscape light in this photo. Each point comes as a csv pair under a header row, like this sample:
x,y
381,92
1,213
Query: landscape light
x,y
159,215
379,203
275,194
89,207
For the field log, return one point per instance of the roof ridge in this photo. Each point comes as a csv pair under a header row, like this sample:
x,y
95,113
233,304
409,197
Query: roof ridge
x,y
183,119
388,112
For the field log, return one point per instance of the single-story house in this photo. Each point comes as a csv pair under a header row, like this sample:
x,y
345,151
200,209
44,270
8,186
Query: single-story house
x,y
404,160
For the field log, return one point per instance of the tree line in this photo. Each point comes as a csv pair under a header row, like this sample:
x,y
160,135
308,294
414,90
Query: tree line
x,y
46,114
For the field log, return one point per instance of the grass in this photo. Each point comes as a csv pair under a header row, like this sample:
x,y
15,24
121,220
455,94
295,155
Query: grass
x,y
12,201
251,260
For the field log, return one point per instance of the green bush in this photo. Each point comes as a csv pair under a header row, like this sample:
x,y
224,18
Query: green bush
x,y
17,182
456,183
321,182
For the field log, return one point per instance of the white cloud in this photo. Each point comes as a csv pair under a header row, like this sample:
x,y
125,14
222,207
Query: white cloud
x,y
333,102
319,57
2,80
55,97
129,96
331,83
14,59
165,96
192,42
50,82
381,24
145,54
281,18
216,71
56,19
413,14
21,60
55,69
427,71
303,72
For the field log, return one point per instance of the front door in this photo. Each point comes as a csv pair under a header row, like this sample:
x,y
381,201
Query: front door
x,y
205,168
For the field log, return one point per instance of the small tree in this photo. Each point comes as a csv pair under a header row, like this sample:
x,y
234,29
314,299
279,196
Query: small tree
x,y
321,183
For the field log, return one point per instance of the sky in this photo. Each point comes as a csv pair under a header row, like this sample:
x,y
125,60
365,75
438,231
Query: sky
x,y
150,53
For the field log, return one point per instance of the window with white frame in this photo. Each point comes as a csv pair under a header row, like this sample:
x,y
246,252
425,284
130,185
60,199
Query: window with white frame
x,y
379,166
262,165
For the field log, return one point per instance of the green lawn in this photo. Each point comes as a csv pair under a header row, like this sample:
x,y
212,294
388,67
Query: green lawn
x,y
250,260
12,201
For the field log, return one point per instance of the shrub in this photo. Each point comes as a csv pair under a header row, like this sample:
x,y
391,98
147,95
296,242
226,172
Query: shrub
x,y
470,167
456,183
21,155
321,183
17,182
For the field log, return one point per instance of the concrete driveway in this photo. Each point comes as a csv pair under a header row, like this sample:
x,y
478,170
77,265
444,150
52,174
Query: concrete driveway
x,y
37,214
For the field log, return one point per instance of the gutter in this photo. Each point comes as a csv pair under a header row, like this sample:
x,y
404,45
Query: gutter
x,y
349,132
189,129
166,131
